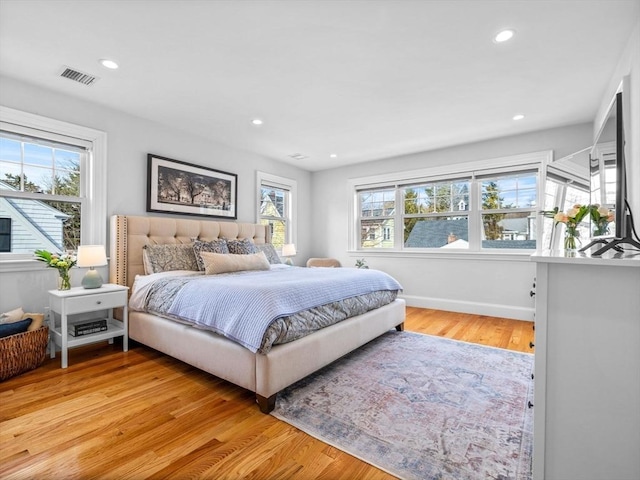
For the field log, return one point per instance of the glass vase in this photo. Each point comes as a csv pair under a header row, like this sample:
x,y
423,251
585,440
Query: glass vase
x,y
600,229
571,238
64,280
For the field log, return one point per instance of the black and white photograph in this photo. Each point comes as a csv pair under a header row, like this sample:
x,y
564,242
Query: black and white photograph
x,y
183,188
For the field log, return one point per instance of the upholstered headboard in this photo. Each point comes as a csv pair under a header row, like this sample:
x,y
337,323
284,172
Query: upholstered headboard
x,y
128,234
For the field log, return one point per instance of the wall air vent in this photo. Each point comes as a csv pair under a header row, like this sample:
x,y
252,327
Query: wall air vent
x,y
76,76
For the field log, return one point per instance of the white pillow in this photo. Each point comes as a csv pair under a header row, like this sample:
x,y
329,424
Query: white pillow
x,y
12,316
215,263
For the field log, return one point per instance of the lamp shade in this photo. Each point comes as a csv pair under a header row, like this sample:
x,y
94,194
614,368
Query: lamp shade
x,y
91,256
288,250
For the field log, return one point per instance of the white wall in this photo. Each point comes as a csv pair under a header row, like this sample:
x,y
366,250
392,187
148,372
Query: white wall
x,y
476,284
129,140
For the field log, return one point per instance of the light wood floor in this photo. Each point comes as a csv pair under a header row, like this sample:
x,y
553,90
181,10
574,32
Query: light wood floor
x,y
141,414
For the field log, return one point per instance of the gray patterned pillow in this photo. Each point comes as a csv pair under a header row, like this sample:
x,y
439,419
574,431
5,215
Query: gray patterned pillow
x,y
270,252
214,246
165,258
242,247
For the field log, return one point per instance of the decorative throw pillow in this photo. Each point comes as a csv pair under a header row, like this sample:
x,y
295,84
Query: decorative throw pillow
x,y
270,252
168,257
12,328
242,247
37,319
216,263
214,246
12,316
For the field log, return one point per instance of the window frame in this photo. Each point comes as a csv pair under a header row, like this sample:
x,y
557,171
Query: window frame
x,y
519,173
288,184
511,164
93,183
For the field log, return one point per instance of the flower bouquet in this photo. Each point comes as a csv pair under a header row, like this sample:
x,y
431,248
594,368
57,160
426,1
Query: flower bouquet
x,y
61,262
601,217
571,219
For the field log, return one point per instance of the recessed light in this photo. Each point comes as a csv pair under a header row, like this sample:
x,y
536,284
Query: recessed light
x,y
503,36
333,155
110,64
257,121
519,116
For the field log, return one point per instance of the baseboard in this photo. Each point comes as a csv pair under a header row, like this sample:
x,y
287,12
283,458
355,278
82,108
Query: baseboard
x,y
477,308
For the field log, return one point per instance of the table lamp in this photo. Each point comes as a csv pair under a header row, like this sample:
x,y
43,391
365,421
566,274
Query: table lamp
x,y
288,251
91,256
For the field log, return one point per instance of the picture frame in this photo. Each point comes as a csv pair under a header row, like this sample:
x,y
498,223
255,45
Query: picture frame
x,y
183,188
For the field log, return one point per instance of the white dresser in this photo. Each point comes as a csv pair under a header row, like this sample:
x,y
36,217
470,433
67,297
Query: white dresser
x,y
587,367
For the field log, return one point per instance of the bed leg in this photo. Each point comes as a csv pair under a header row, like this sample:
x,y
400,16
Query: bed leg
x,y
266,404
400,327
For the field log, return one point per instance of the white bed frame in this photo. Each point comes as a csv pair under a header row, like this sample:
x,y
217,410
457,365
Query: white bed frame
x,y
266,374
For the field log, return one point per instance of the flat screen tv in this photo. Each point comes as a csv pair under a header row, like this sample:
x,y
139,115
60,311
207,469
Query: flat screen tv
x,y
609,180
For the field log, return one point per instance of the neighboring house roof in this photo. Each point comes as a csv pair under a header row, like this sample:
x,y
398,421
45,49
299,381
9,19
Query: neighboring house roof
x,y
435,234
526,244
267,207
34,224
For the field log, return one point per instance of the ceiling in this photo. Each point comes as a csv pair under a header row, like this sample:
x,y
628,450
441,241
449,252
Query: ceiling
x,y
360,79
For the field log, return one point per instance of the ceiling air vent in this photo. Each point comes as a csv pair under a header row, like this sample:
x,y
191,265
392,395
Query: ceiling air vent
x,y
76,76
298,156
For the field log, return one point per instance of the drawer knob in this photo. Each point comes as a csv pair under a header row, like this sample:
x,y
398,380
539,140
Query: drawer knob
x,y
99,302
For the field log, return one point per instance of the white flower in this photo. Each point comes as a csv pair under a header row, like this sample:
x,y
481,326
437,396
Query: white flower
x,y
572,212
560,217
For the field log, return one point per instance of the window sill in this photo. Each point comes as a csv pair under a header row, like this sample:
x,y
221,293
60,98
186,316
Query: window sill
x,y
515,256
20,265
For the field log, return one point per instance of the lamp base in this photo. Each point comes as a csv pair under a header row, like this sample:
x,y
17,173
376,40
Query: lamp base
x,y
92,279
289,262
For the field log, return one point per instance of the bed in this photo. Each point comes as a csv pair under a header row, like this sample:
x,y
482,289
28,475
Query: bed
x,y
263,373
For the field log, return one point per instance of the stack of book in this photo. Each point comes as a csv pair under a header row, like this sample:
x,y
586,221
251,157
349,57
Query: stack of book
x,y
94,326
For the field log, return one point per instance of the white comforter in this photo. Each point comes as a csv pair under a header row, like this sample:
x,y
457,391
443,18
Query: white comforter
x,y
241,306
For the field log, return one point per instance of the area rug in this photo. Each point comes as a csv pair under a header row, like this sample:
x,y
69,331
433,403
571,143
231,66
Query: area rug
x,y
422,407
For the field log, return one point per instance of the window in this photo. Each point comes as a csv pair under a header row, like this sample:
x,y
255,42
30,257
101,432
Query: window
x,y
5,234
435,214
52,184
377,210
563,193
489,205
277,207
509,214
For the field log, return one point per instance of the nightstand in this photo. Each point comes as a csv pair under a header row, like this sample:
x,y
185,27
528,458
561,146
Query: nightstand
x,y
82,300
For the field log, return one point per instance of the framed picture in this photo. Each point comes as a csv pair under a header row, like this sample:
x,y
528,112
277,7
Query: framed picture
x,y
186,189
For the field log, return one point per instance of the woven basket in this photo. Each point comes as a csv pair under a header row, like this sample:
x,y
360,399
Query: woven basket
x,y
22,352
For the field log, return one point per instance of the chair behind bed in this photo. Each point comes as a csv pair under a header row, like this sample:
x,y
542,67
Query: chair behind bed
x,y
128,234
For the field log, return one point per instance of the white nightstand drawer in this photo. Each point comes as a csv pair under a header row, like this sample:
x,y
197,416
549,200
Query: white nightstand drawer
x,y
91,303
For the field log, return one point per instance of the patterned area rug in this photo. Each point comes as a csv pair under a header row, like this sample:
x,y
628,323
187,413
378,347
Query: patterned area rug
x,y
422,407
